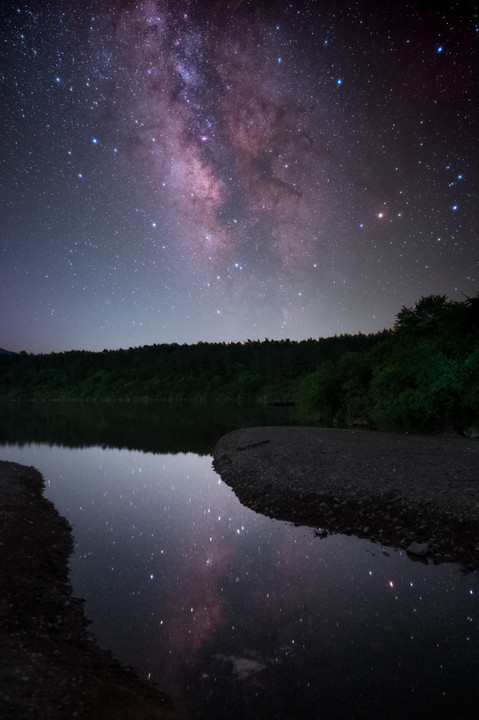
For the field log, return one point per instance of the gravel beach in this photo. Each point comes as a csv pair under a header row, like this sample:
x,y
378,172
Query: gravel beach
x,y
416,492
50,667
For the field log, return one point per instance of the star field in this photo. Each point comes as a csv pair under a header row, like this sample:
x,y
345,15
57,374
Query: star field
x,y
177,172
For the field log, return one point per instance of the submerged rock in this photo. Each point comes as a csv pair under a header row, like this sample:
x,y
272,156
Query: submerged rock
x,y
419,549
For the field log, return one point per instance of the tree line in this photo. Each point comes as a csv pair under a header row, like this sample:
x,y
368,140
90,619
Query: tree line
x,y
421,375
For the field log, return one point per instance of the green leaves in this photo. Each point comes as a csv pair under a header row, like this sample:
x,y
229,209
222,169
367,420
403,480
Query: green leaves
x,y
422,376
423,315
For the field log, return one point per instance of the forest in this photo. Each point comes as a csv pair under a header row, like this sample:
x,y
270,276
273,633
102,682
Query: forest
x,y
422,375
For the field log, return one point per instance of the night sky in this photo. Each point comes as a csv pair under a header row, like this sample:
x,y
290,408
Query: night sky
x,y
184,171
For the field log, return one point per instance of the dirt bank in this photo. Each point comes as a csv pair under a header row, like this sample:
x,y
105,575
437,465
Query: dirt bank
x,y
395,489
50,668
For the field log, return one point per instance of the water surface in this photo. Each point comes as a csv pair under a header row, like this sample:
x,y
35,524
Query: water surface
x,y
241,616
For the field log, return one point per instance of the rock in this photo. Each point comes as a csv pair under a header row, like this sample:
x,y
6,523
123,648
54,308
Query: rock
x,y
472,431
419,549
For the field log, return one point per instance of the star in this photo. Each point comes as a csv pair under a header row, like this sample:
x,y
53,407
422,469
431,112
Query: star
x,y
235,136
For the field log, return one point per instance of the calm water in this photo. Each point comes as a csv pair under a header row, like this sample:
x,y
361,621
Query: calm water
x,y
235,614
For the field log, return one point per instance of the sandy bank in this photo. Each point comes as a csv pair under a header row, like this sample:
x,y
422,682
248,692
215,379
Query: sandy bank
x,y
50,667
395,489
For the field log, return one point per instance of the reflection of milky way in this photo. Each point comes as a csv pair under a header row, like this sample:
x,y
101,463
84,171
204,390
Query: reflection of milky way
x,y
194,612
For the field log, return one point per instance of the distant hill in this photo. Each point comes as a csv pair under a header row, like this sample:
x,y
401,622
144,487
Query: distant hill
x,y
6,352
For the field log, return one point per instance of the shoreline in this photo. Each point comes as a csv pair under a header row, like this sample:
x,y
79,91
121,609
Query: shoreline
x,y
50,665
393,489
416,492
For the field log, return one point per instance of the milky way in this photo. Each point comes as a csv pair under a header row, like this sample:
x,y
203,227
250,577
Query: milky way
x,y
185,171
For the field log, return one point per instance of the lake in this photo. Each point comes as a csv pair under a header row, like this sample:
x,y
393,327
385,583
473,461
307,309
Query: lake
x,y
235,614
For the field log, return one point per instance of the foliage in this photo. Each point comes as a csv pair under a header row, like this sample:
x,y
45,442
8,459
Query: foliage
x,y
423,375
426,376
423,315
